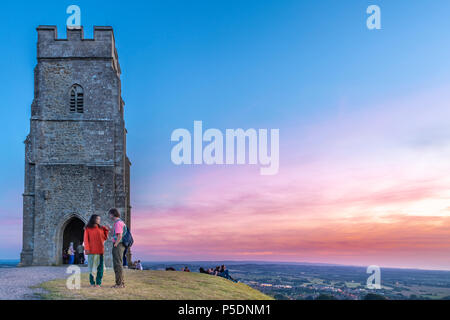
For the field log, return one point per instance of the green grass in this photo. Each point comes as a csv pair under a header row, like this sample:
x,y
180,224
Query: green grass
x,y
155,285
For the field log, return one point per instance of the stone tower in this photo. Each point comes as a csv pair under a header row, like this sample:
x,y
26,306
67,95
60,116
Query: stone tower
x,y
75,155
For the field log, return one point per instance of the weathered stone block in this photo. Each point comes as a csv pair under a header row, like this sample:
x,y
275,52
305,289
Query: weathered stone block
x,y
75,161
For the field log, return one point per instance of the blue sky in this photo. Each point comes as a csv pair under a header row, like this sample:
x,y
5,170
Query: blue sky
x,y
232,64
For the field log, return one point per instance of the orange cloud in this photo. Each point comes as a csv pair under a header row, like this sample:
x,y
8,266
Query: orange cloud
x,y
365,188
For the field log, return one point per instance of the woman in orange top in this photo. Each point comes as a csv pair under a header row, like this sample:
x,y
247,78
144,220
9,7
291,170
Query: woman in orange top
x,y
94,237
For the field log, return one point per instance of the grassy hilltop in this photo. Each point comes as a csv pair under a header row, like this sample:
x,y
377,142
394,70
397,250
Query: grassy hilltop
x,y
156,285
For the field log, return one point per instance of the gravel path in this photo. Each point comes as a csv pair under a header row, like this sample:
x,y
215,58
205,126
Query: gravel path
x,y
15,283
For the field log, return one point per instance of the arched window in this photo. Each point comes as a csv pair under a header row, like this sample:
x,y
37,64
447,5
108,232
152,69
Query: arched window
x,y
76,98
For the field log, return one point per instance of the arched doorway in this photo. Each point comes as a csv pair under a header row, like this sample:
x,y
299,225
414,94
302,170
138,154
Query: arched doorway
x,y
73,233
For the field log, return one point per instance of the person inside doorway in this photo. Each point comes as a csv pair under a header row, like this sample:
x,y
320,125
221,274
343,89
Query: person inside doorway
x,y
80,253
71,253
65,256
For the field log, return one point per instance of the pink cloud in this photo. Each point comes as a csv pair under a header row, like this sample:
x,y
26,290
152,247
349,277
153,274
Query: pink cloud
x,y
363,186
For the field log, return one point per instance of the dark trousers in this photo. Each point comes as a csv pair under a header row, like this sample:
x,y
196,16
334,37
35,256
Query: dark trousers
x,y
125,258
117,253
99,276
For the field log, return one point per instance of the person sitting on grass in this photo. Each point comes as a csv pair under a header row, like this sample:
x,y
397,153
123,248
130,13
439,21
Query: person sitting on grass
x,y
223,272
216,271
209,271
220,271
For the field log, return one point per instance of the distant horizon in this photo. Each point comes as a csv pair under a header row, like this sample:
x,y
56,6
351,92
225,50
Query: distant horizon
x,y
301,263
270,262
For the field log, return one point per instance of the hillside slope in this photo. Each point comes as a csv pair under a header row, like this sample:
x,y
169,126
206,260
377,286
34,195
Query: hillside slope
x,y
156,285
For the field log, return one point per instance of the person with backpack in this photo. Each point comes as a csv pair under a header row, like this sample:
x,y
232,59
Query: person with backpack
x,y
122,239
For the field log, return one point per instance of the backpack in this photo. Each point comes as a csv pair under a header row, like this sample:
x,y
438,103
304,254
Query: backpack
x,y
127,238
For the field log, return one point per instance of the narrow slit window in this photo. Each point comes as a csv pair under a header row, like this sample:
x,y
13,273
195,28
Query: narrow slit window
x,y
76,99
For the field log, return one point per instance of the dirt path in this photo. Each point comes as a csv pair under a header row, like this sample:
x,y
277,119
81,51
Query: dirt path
x,y
15,283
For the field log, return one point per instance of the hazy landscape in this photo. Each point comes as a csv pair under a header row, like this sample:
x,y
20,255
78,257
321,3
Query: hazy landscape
x,y
320,281
311,281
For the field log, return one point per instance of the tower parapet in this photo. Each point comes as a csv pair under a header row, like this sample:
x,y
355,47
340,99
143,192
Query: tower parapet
x,y
101,47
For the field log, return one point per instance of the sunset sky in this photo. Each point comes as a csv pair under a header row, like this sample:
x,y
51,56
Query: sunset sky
x,y
364,120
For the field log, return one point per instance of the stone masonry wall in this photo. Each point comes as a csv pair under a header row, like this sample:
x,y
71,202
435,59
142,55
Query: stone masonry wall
x,y
75,163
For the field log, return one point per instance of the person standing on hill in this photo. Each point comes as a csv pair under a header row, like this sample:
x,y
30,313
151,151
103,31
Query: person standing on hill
x,y
95,236
118,250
